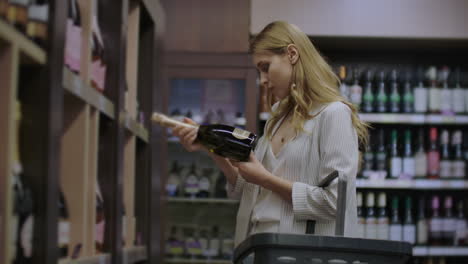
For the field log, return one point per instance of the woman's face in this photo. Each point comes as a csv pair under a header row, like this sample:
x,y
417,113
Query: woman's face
x,y
275,72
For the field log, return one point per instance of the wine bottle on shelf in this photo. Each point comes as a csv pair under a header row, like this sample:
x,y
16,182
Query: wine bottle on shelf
x,y
368,96
433,155
215,244
422,225
446,102
420,157
420,93
73,37
192,244
174,246
227,245
204,243
226,141
396,162
381,100
368,158
408,158
458,96
37,24
409,226
458,163
204,184
64,227
344,88
395,98
408,94
381,154
355,90
461,231
173,182
191,183
382,217
435,223
445,161
361,216
448,223
220,187
17,13
371,217
396,227
434,90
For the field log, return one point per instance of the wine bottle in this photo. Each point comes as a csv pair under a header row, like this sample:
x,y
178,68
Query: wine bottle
x,y
173,182
371,217
420,157
396,162
395,98
368,96
448,223
445,161
408,95
422,225
409,226
381,100
461,225
446,104
396,227
435,223
355,95
408,158
458,164
224,140
361,217
382,217
220,187
433,156
434,91
192,183
344,88
458,94
420,94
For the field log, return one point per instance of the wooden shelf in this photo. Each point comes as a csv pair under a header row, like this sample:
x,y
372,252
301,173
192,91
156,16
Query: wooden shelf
x,y
134,127
134,254
412,184
203,200
416,119
99,259
184,260
440,251
73,84
26,46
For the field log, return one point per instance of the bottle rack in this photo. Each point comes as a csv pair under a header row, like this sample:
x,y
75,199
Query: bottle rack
x,y
74,136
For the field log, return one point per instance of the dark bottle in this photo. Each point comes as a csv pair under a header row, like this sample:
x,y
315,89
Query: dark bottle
x,y
433,155
461,231
435,223
355,91
408,94
192,183
396,227
396,162
368,96
64,227
220,187
381,100
17,13
173,182
368,158
408,157
381,153
409,226
458,164
395,98
459,104
448,223
420,157
422,225
224,140
445,162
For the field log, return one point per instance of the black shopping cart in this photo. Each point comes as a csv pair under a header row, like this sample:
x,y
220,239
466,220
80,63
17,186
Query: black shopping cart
x,y
274,248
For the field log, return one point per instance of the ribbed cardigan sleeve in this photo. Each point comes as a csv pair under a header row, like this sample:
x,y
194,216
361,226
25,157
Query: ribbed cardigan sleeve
x,y
338,150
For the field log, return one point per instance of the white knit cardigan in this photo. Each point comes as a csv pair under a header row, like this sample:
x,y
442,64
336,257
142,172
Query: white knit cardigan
x,y
328,143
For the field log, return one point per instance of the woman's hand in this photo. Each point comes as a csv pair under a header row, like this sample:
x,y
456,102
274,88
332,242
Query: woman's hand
x,y
252,170
188,135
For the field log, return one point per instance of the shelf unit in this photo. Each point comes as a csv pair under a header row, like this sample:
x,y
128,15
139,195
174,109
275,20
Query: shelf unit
x,y
413,184
415,119
74,136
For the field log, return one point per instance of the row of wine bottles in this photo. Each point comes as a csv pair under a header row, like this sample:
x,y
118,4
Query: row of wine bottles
x,y
433,220
430,156
189,181
434,91
199,243
29,16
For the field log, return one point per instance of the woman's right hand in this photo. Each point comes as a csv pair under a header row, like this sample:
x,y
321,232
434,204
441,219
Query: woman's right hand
x,y
188,135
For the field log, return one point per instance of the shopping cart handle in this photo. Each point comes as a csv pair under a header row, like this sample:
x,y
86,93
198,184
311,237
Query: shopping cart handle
x,y
340,205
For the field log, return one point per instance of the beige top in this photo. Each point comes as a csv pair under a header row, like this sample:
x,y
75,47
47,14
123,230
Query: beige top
x,y
329,143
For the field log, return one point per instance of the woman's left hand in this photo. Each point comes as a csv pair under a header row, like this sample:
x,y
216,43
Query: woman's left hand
x,y
252,170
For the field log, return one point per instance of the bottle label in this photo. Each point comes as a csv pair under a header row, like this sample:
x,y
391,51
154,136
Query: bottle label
x,y
445,169
461,231
214,247
171,189
458,100
344,89
434,99
435,225
420,164
204,247
409,169
26,236
240,133
356,94
193,247
361,227
382,228
422,232
420,101
228,247
191,185
381,161
409,234
204,184
371,228
433,163
396,232
396,167
458,169
446,101
73,46
176,248
448,225
64,233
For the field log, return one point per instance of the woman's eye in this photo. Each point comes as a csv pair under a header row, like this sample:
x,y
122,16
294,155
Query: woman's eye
x,y
265,67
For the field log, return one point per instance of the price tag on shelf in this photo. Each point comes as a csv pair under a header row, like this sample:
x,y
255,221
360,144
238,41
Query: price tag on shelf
x,y
456,184
428,184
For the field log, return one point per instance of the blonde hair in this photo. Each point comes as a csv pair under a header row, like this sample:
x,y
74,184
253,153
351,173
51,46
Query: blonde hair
x,y
314,80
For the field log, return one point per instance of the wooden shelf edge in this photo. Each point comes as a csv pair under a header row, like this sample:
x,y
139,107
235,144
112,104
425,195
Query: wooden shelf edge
x,y
412,184
134,127
202,200
387,118
99,259
75,86
134,254
26,46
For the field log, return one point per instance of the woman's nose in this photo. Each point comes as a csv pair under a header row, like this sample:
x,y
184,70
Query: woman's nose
x,y
263,80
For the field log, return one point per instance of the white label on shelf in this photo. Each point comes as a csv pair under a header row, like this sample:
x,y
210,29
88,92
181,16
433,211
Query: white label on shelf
x,y
396,232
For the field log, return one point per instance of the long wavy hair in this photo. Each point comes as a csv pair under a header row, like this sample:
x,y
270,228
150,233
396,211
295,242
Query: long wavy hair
x,y
314,80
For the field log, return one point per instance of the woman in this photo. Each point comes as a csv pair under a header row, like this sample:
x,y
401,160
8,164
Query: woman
x,y
312,132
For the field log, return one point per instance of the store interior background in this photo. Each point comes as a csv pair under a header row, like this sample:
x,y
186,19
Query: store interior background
x,y
190,58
